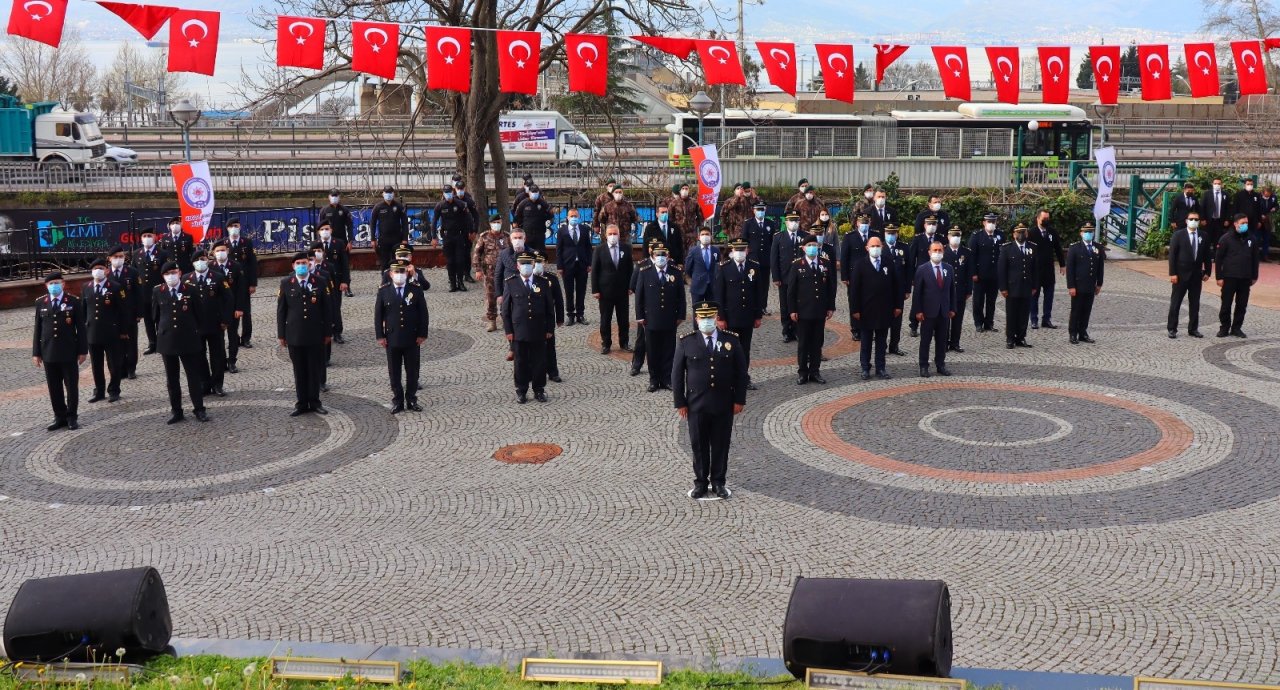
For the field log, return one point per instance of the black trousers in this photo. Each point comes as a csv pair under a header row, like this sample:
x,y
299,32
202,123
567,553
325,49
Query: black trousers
x,y
386,252
662,350
148,321
110,355
246,322
406,361
1234,290
868,338
553,365
788,326
935,330
129,349
639,352
957,324
610,307
984,303
193,364
809,335
1191,290
575,289
233,340
531,365
455,251
895,326
63,379
214,358
762,285
1017,309
1081,310
308,372
710,435
744,337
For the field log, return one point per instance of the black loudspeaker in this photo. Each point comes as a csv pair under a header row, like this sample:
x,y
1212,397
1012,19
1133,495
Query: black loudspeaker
x,y
88,617
877,626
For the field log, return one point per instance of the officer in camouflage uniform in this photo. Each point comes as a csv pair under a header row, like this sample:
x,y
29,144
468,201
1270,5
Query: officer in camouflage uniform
x,y
484,257
686,213
736,210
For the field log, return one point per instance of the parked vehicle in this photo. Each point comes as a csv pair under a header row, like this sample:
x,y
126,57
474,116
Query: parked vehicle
x,y
55,138
543,135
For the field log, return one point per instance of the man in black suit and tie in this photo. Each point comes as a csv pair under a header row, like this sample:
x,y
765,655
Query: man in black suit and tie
x,y
664,231
1183,206
1190,264
1216,211
933,305
573,261
1084,281
759,231
701,265
874,286
1019,277
738,297
881,213
610,281
852,248
787,247
400,322
985,246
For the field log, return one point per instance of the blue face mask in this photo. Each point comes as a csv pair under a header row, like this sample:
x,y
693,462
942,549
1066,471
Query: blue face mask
x,y
1242,228
448,196
301,270
863,228
1086,236
55,290
811,251
759,215
890,238
662,217
534,195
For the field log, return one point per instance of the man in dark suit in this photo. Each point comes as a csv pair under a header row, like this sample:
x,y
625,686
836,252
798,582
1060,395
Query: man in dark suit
x,y
123,274
874,287
881,213
177,244
1019,277
701,265
233,276
1236,269
660,309
759,231
177,312
961,260
1183,205
811,300
1048,251
610,281
1085,263
573,261
939,214
240,250
148,261
918,250
1215,213
59,344
708,401
985,246
933,305
663,230
400,322
106,321
528,320
787,248
303,324
216,302
739,298
338,257
1248,202
1190,265
852,248
896,252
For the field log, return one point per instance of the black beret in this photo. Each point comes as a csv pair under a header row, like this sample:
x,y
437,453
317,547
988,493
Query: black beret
x,y
220,243
317,245
115,250
334,192
169,266
56,275
389,188
175,219
200,254
301,256
233,221
98,262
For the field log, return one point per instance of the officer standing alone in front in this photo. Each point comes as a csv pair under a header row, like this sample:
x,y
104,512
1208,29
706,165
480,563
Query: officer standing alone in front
x,y
1085,264
528,313
709,402
60,344
400,321
303,325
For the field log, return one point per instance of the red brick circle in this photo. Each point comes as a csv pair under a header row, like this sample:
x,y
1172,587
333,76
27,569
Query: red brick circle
x,y
1175,436
527,453
843,345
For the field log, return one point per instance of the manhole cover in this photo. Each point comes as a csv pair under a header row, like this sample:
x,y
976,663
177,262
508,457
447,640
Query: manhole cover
x,y
527,453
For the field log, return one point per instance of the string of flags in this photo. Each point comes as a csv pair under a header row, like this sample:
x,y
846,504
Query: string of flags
x,y
375,47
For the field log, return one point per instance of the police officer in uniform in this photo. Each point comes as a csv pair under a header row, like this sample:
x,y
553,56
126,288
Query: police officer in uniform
x,y
1018,273
811,300
758,231
557,296
416,277
148,262
660,309
215,302
985,246
787,247
1236,269
232,275
961,260
1085,264
178,244
59,344
640,351
338,257
177,312
533,215
388,225
460,190
303,325
122,273
400,321
528,312
339,220
896,253
106,321
709,382
738,295
240,250
452,224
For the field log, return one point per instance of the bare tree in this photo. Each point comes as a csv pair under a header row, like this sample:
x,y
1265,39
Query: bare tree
x,y
43,73
142,69
336,106
1249,18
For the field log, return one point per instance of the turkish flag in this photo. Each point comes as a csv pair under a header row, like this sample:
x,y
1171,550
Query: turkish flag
x,y
1004,71
145,19
1202,69
1249,70
780,64
375,46
193,41
953,67
518,56
838,79
720,62
1153,66
449,58
38,20
1055,74
885,55
679,47
1271,43
300,42
588,58
1106,73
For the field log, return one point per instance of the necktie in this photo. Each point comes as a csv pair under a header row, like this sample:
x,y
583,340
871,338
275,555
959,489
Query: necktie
x,y
1193,246
400,292
529,283
706,256
813,265
615,256
574,235
876,262
1089,248
117,275
938,271
711,347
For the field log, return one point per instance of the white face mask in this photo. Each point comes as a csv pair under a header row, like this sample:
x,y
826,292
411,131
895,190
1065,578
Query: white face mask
x,y
935,257
517,243
148,242
808,195
792,225
174,228
684,194
707,326
1248,188
399,279
99,274
613,240
704,239
333,200
880,202
325,234
526,270
738,256
172,279
234,231
868,194
388,196
930,229
875,252
1217,188
954,241
220,256
660,261
319,257
117,263
935,206
989,227
617,196
201,266
824,217
538,268
1193,224
495,226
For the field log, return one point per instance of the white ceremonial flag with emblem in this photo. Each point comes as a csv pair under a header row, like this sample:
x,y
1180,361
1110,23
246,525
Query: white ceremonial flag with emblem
x,y
1106,157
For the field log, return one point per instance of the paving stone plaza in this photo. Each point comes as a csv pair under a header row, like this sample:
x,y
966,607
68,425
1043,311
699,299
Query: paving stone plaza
x,y
1110,508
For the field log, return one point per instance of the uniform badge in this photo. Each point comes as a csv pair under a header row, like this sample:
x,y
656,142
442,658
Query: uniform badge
x,y
537,289
408,297
728,346
1029,250
671,279
751,274
68,320
313,300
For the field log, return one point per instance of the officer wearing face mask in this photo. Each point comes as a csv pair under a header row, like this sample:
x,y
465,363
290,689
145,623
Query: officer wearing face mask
x,y
106,320
178,244
896,253
388,225
918,251
660,309
788,247
486,258
961,260
233,277
758,232
121,272
709,384
400,321
801,187
686,212
663,229
985,247
737,294
933,305
1236,269
339,260
736,209
59,346
601,199
941,217
1018,273
212,292
177,312
1085,264
809,206
528,320
338,218
573,261
701,266
862,203
873,288
240,250
473,212
811,300
618,211
557,297
853,248
148,261
303,326
416,277
533,215
451,221
820,231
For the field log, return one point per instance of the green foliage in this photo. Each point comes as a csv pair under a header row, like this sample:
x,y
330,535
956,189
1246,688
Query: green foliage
x,y
1156,241
619,99
966,211
890,186
1068,211
7,87
862,78
909,207
1203,176
1084,74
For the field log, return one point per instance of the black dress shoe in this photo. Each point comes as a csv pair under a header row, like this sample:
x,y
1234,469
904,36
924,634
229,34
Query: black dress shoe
x,y
324,388
1049,325
57,424
992,329
866,375
721,492
1087,339
414,406
397,409
1009,346
604,349
220,392
467,278
246,343
556,378
1193,334
635,371
522,398
133,375
200,415
583,321
915,333
1034,326
1221,334
1023,343
627,348
297,412
802,380
653,388
319,409
1075,340
943,371
924,372
665,386
752,386
884,375
1238,333
73,423
232,369
957,348
1173,335
817,378
352,294
97,397
339,339
698,493
898,352
453,288
114,397
540,396
176,418
150,350
788,338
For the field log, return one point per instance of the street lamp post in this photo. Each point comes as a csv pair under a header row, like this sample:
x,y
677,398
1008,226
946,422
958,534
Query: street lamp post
x,y
1033,125
700,105
1103,111
184,114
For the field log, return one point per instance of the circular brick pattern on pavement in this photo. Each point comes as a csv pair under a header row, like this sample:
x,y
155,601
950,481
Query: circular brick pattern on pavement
x,y
1254,358
250,443
361,349
527,453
